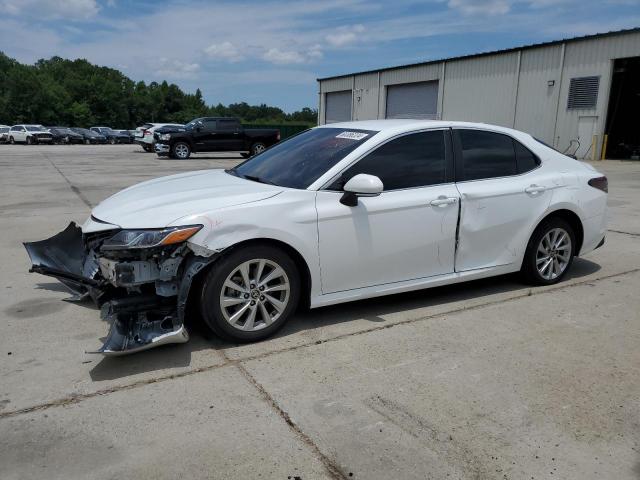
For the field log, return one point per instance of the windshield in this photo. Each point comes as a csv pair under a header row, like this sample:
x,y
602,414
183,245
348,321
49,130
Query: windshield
x,y
4,129
193,123
106,130
33,128
301,160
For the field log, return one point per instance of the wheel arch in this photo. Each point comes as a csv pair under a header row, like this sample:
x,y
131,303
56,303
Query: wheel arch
x,y
572,218
296,256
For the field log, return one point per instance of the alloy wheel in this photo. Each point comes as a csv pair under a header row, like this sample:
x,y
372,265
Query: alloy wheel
x,y
554,253
259,148
255,294
181,151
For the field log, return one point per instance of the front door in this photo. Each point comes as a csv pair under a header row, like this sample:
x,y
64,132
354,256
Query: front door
x,y
405,233
502,194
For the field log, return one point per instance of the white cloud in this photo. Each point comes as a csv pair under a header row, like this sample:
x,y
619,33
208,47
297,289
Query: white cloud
x,y
69,9
481,7
344,36
173,68
283,57
224,51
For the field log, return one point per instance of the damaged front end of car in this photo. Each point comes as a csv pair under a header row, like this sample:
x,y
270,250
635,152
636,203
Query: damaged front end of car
x,y
140,279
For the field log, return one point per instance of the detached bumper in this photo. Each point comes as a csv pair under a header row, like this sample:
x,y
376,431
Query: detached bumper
x,y
146,307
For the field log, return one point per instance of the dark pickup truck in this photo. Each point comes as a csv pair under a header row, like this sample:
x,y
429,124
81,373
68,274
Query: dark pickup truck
x,y
212,134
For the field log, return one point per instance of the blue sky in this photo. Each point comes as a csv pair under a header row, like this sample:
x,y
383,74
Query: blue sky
x,y
272,51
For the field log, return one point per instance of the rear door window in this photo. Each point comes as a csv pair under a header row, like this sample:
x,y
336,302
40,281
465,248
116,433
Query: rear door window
x,y
484,154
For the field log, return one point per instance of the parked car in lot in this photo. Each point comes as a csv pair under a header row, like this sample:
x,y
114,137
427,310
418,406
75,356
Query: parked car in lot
x,y
4,133
338,213
112,136
29,134
89,136
215,134
145,134
65,135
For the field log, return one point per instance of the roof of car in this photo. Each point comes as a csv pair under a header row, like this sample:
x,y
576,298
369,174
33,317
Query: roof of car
x,y
401,125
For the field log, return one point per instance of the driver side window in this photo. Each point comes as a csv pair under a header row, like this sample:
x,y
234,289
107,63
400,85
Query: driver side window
x,y
410,161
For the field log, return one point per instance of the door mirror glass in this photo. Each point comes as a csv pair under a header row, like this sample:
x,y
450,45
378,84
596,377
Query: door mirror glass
x,y
362,185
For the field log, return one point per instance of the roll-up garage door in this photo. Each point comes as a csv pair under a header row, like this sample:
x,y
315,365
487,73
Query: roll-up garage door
x,y
413,100
338,107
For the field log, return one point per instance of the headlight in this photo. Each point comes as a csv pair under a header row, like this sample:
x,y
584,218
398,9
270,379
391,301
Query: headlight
x,y
165,136
129,239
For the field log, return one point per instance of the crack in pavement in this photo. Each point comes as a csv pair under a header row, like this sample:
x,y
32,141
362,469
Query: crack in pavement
x,y
77,398
624,233
73,188
332,468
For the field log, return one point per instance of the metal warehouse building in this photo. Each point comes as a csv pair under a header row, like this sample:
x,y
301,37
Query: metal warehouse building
x,y
568,93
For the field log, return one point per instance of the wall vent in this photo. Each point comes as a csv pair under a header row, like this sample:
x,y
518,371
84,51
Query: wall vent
x,y
583,93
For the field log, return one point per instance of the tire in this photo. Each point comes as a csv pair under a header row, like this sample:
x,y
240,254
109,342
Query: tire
x,y
257,148
180,150
269,312
147,148
29,141
12,141
87,141
112,141
545,263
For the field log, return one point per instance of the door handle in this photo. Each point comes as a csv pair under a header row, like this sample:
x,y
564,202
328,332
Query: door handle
x,y
236,133
442,200
533,189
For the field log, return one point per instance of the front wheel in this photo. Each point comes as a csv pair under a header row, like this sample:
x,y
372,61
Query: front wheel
x,y
257,148
180,150
112,141
250,294
12,141
29,141
147,148
549,253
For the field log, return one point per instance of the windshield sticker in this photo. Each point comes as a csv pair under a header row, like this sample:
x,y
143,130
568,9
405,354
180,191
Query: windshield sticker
x,y
352,135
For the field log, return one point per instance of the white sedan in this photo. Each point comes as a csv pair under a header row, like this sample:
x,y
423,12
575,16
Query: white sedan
x,y
340,212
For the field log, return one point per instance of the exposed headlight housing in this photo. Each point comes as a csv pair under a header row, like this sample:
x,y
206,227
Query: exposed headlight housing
x,y
165,136
149,238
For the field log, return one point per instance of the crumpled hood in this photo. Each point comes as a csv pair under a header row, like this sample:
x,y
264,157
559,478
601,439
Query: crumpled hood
x,y
159,202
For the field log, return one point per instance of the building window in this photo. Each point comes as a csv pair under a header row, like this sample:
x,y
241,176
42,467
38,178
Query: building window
x,y
583,93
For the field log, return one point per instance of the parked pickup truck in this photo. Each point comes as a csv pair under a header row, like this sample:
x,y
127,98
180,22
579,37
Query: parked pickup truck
x,y
213,134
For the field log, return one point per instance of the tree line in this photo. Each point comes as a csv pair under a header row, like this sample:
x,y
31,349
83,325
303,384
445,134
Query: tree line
x,y
77,93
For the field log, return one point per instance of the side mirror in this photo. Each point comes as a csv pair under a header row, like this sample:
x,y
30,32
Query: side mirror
x,y
362,185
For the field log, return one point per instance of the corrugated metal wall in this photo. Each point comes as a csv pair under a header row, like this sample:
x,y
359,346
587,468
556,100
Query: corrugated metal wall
x,y
537,100
481,89
510,89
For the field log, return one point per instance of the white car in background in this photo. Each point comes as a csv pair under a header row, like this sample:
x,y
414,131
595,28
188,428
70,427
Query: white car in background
x,y
144,134
340,212
30,134
4,133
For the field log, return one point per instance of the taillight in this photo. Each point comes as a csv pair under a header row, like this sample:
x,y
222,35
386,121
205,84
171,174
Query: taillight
x,y
601,183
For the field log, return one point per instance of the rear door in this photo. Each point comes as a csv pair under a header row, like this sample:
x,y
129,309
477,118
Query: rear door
x,y
229,135
502,193
405,233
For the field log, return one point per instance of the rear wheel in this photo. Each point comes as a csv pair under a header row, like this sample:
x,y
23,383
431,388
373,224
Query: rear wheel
x,y
257,148
147,148
12,141
550,252
87,141
112,141
29,141
180,150
250,294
